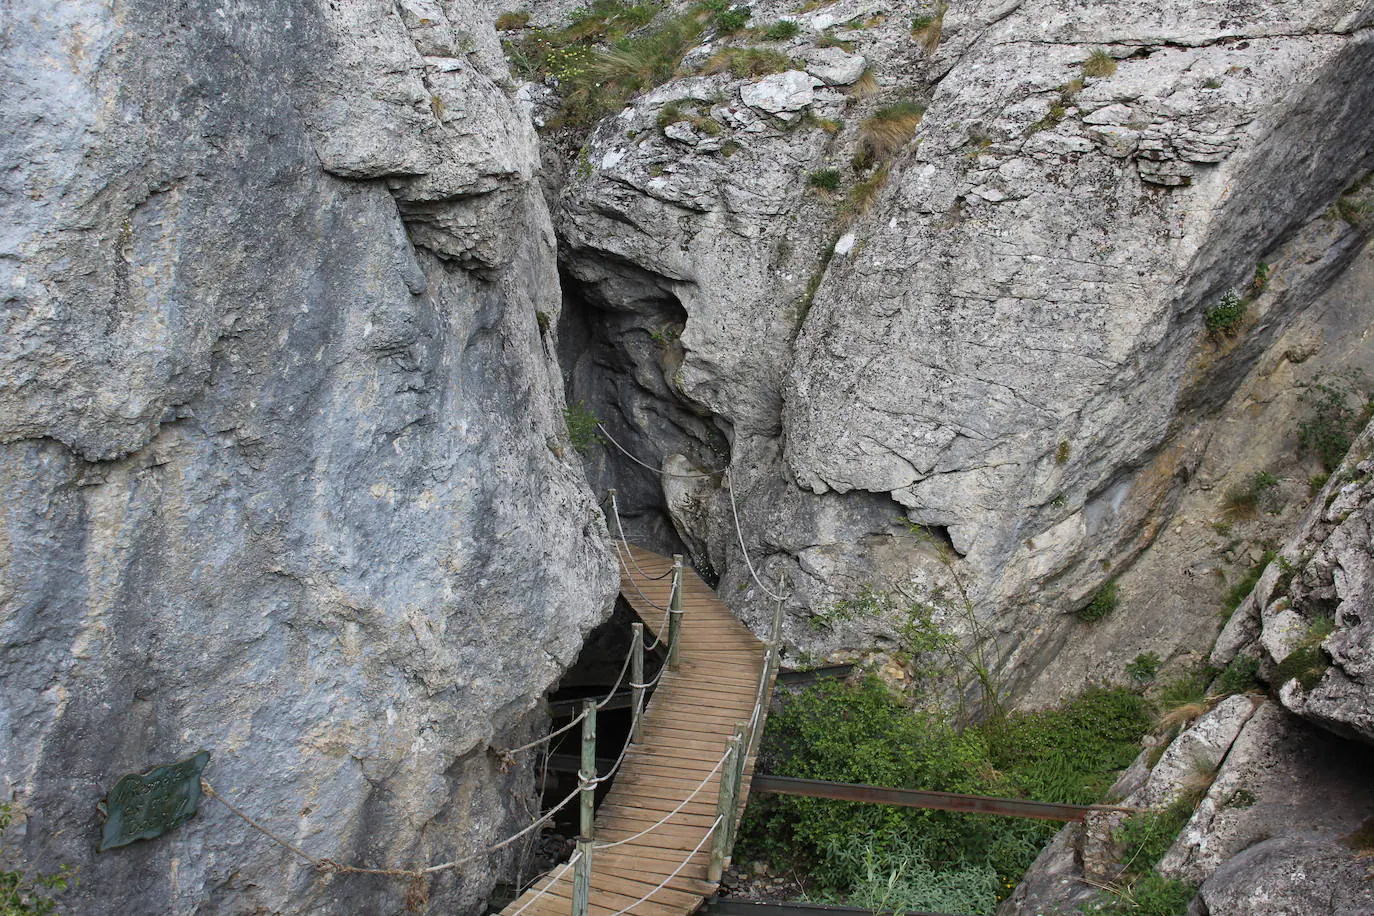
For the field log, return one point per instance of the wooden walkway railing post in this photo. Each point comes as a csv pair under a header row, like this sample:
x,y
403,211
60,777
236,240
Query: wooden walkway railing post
x,y
725,807
582,870
675,616
743,739
637,682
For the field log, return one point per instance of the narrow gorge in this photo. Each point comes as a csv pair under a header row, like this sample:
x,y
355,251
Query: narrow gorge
x,y
1033,334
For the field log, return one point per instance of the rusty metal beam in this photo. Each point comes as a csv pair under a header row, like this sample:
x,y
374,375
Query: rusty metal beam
x,y
915,798
728,906
811,675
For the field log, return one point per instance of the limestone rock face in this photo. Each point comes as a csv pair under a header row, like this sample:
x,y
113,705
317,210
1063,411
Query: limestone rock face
x,y
997,335
1311,616
1288,876
280,445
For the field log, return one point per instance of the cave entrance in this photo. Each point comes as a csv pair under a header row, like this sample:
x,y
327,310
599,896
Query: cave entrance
x,y
597,675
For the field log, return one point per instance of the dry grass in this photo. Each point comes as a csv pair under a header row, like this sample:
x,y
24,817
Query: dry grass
x,y
863,193
927,30
747,62
1099,64
865,85
1180,716
887,131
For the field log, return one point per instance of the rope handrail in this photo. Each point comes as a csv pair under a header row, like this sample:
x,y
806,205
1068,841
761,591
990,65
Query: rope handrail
x,y
620,529
647,600
626,453
330,865
739,532
671,814
551,882
715,825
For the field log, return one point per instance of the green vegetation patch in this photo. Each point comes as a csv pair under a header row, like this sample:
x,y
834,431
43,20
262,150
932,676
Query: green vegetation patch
x,y
937,860
21,893
743,63
884,133
1102,604
582,426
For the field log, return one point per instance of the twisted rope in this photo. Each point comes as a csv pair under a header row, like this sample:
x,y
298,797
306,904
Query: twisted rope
x,y
623,451
664,883
671,814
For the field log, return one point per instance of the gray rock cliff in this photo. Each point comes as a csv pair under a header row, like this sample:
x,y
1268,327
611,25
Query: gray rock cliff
x,y
281,445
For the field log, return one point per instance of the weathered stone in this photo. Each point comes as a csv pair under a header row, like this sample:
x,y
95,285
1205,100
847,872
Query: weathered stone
x,y
277,422
781,94
1289,876
834,66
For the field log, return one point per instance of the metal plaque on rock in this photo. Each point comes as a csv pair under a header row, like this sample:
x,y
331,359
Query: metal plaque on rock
x,y
149,804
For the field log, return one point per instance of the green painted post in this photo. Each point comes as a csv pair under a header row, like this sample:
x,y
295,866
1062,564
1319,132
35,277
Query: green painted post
x,y
582,877
725,805
637,681
582,869
675,616
742,740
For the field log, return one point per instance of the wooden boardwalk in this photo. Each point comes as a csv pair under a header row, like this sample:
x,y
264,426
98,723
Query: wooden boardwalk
x,y
686,729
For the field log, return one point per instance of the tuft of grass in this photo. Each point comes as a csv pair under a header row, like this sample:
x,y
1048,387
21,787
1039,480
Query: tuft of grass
x,y
1099,64
512,20
863,193
1246,584
886,131
1102,604
1061,454
827,180
1240,676
673,113
928,29
1244,500
782,30
1143,668
1308,662
829,40
747,62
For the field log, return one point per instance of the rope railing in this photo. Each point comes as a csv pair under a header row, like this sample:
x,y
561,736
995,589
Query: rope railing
x,y
707,476
715,825
730,767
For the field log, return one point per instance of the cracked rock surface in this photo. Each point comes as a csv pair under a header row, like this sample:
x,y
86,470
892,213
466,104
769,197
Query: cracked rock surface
x,y
280,445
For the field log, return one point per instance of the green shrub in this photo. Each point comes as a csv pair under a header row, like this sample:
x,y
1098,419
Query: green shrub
x,y
582,426
824,179
1102,604
1333,423
1099,64
731,21
889,129
1240,676
1144,667
863,733
1147,835
782,30
1224,318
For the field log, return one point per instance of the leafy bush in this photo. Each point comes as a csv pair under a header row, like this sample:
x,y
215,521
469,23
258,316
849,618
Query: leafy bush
x,y
582,426
824,179
782,30
1224,318
746,62
1144,667
863,733
1099,64
1239,676
888,130
1102,604
1333,423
